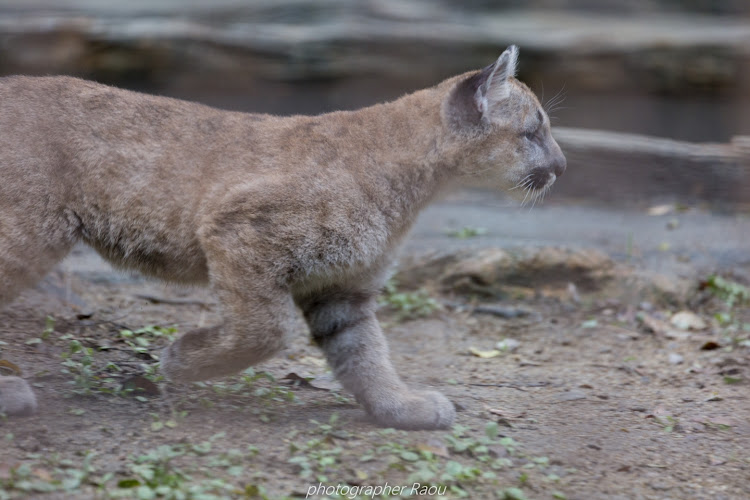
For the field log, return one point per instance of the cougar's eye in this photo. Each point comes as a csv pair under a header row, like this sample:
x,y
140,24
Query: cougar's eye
x,y
532,135
535,135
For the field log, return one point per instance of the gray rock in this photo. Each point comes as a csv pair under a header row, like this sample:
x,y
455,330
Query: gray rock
x,y
573,395
675,359
487,269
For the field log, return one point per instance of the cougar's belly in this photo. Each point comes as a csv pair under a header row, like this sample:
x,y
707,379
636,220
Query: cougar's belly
x,y
187,265
156,250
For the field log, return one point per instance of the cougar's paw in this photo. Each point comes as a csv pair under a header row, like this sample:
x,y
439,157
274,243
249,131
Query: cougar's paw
x,y
416,411
16,397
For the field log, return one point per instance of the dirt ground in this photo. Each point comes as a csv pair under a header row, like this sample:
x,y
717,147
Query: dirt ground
x,y
592,402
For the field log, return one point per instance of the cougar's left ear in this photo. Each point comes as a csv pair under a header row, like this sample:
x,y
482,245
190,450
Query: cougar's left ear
x,y
493,80
472,100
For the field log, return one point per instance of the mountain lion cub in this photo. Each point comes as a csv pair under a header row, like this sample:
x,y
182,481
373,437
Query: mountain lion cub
x,y
275,213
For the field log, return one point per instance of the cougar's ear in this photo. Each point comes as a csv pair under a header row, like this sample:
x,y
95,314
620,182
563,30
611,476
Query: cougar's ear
x,y
474,98
493,80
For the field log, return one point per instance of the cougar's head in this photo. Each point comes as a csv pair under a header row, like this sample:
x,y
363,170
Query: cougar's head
x,y
500,130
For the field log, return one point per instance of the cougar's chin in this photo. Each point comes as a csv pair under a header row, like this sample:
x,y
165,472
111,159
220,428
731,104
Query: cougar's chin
x,y
534,186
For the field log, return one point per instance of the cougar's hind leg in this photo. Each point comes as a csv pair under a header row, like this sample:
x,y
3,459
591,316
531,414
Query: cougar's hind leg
x,y
257,312
30,245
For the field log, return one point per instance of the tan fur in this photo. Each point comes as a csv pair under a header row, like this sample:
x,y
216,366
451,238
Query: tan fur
x,y
273,212
16,397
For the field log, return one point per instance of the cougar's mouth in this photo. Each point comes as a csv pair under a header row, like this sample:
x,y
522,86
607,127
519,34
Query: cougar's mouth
x,y
535,185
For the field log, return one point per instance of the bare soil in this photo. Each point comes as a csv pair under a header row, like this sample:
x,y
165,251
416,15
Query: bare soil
x,y
597,405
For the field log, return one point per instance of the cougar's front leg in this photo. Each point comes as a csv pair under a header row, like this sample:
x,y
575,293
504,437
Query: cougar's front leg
x,y
257,312
344,325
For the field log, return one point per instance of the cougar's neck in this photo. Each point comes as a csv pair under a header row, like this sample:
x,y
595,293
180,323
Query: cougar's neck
x,y
403,160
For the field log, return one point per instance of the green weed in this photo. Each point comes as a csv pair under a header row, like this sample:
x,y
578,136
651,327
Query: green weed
x,y
408,305
733,295
140,341
731,292
466,232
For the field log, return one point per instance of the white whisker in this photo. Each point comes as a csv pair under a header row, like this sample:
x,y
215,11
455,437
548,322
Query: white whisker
x,y
521,183
533,202
556,99
528,190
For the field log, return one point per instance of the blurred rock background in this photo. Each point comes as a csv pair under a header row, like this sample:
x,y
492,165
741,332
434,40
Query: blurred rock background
x,y
672,69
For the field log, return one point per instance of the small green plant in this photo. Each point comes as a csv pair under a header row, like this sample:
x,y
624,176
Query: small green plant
x,y
91,374
246,385
733,295
479,448
408,305
667,422
513,494
731,292
156,474
330,429
158,424
151,372
472,463
315,461
49,328
466,232
78,361
49,475
317,456
162,472
140,341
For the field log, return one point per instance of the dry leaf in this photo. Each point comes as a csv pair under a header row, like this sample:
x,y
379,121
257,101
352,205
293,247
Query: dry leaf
x,y
361,475
687,320
658,210
484,354
657,326
9,368
660,327
42,474
710,345
314,361
434,446
323,382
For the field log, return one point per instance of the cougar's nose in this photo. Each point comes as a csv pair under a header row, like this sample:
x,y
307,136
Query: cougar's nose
x,y
559,165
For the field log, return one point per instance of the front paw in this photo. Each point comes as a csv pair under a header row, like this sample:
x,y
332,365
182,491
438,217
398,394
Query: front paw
x,y
16,397
415,411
